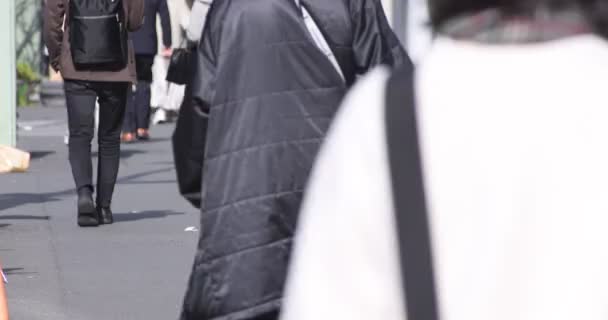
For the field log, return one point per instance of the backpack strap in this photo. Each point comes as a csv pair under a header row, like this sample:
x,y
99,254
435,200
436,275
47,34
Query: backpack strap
x,y
409,198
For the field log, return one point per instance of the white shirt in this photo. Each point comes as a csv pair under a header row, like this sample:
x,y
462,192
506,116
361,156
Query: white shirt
x,y
317,37
515,149
197,19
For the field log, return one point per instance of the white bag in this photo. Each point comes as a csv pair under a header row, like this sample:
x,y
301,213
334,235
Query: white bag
x,y
13,160
158,87
175,97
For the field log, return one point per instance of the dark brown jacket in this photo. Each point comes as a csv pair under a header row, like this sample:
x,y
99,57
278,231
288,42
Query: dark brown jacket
x,y
56,36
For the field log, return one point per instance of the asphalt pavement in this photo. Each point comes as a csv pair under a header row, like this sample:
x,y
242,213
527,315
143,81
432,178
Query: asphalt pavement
x,y
135,269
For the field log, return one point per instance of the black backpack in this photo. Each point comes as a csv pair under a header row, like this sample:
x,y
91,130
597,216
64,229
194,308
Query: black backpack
x,y
409,197
98,37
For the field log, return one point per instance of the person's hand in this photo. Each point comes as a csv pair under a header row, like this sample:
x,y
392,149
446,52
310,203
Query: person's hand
x,y
167,52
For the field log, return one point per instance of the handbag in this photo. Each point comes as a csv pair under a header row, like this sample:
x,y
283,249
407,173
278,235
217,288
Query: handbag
x,y
189,144
180,65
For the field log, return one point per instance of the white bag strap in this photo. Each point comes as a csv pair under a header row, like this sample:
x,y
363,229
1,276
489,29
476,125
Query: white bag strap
x,y
319,39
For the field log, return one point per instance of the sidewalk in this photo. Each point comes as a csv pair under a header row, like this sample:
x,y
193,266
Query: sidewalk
x,y
134,269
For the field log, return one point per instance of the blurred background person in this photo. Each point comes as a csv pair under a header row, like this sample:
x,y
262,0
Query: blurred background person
x,y
145,41
190,133
166,97
270,90
510,109
95,76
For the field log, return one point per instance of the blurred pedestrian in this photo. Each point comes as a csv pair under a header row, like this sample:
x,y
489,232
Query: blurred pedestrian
x,y
190,133
270,78
145,41
88,45
503,123
167,97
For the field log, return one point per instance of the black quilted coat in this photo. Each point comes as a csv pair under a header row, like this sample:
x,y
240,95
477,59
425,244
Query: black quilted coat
x,y
271,94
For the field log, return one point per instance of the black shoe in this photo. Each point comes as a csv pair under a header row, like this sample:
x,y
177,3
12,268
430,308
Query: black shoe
x,y
105,215
87,214
143,137
143,134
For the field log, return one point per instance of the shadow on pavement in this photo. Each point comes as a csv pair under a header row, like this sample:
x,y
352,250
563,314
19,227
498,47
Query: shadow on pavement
x,y
171,163
124,153
35,155
149,182
154,139
24,217
16,271
13,200
131,178
155,214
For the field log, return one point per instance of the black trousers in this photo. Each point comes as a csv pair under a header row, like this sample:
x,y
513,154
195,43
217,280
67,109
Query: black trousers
x,y
138,106
81,97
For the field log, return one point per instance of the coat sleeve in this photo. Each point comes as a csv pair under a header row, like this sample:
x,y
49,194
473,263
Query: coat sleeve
x,y
374,42
54,14
135,14
165,22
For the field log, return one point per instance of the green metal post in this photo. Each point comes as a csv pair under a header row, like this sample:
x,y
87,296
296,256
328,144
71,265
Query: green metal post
x,y
8,101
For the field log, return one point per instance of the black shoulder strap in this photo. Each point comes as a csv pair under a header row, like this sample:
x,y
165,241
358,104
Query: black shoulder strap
x,y
409,198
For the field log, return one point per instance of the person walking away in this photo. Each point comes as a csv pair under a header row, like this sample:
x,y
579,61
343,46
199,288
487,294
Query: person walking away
x,y
270,93
512,167
89,46
167,97
145,40
190,132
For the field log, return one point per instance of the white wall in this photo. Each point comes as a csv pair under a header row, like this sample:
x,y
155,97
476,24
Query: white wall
x,y
8,114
